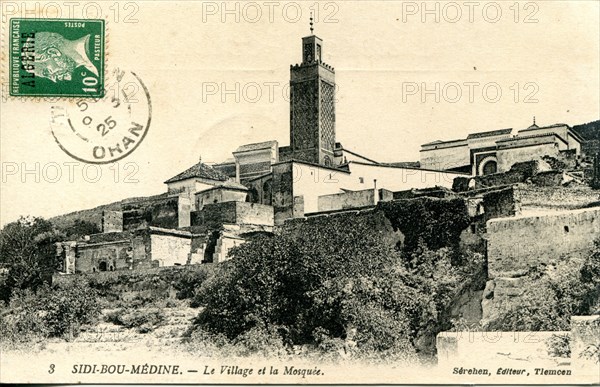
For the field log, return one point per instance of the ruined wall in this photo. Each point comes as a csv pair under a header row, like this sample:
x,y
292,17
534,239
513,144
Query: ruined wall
x,y
517,244
350,199
112,221
158,213
282,192
219,195
157,283
252,213
518,173
112,251
557,198
508,157
214,215
170,250
104,256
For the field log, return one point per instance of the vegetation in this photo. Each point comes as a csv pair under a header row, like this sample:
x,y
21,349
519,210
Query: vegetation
x,y
571,289
58,311
334,282
340,286
28,253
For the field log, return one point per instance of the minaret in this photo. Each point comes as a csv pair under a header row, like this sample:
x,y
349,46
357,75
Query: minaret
x,y
312,107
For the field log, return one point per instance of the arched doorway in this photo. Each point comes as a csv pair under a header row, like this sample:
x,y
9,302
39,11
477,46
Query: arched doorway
x,y
102,266
487,166
490,167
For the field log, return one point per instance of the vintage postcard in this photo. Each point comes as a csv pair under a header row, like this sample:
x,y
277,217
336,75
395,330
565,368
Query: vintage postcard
x,y
300,192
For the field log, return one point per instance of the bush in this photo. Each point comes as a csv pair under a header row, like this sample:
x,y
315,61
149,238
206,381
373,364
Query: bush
x,y
28,254
68,307
188,283
338,277
58,311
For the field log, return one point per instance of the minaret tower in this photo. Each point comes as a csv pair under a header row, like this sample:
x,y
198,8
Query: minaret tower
x,y
312,107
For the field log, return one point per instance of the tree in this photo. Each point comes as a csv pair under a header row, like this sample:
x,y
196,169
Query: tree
x,y
27,252
334,278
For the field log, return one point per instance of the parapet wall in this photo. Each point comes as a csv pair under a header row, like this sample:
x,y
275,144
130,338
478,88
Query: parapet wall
x,y
350,199
557,198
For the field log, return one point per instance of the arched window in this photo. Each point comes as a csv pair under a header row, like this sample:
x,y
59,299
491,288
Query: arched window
x,y
267,193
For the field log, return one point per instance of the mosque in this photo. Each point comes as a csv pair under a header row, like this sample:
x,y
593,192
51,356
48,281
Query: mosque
x,y
208,209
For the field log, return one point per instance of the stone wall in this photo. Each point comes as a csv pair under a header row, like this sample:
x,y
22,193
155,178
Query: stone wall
x,y
170,249
282,192
349,199
112,221
517,244
184,207
158,213
217,214
219,195
508,157
518,173
557,198
252,213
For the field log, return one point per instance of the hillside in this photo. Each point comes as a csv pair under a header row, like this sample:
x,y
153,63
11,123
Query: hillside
x,y
591,132
94,215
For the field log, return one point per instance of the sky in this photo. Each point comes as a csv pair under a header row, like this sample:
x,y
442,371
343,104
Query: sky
x,y
217,74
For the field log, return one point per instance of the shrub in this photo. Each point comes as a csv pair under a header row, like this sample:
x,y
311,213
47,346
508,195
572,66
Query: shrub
x,y
58,311
68,307
336,275
28,253
189,281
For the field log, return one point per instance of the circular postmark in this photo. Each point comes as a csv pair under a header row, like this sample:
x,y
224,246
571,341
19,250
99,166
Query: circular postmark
x,y
108,129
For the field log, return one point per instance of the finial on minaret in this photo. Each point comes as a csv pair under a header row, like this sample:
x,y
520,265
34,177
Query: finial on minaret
x,y
311,23
200,159
534,120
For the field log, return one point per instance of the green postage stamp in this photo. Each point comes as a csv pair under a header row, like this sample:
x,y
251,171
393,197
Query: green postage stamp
x,y
57,57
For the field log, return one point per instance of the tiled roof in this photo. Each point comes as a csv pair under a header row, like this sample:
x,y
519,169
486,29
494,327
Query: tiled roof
x,y
199,170
255,146
490,133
